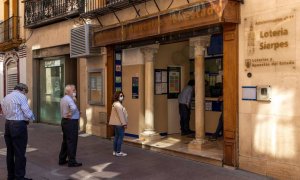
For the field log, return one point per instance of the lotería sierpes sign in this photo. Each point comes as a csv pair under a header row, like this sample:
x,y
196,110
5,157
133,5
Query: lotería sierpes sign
x,y
270,42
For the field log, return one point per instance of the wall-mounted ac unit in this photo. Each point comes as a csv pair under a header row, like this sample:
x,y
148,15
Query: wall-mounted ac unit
x,y
81,42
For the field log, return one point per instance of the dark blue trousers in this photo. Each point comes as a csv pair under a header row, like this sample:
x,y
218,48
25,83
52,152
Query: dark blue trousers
x,y
119,136
184,112
16,138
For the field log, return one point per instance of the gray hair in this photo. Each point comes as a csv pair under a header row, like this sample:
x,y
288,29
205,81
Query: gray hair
x,y
68,88
21,87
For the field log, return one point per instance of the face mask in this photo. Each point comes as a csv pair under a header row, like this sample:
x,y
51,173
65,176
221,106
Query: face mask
x,y
74,94
121,98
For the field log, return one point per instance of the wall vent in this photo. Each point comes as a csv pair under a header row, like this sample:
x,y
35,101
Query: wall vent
x,y
81,42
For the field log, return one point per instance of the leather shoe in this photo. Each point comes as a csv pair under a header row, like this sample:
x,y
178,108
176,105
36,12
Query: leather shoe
x,y
62,162
76,164
27,179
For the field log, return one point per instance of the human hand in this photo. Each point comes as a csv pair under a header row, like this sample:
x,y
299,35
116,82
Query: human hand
x,y
69,115
125,126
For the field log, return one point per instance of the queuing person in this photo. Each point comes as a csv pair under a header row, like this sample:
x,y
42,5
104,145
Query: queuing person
x,y
119,119
69,123
17,114
185,100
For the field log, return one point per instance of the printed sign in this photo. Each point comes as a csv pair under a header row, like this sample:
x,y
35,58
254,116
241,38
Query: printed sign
x,y
270,41
135,87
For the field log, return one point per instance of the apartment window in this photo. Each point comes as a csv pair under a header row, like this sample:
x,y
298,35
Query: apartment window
x,y
11,75
96,87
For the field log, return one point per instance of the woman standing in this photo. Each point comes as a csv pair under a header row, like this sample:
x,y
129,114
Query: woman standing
x,y
119,119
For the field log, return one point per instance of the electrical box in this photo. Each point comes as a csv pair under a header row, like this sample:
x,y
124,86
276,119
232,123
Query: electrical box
x,y
263,93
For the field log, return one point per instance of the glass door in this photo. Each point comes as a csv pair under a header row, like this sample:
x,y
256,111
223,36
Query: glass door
x,y
51,84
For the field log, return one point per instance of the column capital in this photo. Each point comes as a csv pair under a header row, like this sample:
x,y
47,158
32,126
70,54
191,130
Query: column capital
x,y
200,43
149,52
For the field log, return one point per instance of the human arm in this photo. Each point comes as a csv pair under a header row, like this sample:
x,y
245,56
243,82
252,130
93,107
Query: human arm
x,y
26,109
73,108
121,114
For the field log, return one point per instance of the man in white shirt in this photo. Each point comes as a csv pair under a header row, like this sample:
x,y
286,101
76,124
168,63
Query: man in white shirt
x,y
17,114
69,123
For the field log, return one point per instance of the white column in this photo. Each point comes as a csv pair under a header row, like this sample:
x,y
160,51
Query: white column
x,y
149,58
200,44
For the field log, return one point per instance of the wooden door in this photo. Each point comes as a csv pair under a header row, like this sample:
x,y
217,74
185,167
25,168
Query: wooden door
x,y
110,86
230,94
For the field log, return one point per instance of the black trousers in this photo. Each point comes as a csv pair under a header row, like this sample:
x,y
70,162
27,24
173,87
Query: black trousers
x,y
219,129
16,138
184,112
70,139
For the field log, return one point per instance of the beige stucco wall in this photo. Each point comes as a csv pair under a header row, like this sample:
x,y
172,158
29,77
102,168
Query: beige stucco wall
x,y
1,10
56,35
90,120
269,131
134,107
44,37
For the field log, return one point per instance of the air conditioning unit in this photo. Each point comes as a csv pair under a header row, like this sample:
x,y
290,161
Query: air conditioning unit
x,y
81,42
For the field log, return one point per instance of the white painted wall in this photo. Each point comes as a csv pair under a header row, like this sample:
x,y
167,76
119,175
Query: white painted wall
x,y
269,131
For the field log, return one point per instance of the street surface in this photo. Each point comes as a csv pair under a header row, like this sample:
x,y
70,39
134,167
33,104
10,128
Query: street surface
x,y
98,163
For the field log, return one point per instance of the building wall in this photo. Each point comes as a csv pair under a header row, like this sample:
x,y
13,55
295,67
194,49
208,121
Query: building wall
x,y
55,35
21,54
90,120
1,78
41,38
269,131
133,66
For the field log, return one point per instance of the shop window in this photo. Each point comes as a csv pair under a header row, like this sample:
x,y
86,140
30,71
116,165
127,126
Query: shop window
x,y
96,87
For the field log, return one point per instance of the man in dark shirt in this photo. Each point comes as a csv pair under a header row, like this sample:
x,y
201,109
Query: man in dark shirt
x,y
185,99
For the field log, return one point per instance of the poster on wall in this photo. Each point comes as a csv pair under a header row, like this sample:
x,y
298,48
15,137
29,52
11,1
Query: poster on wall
x,y
161,81
174,78
135,87
118,71
270,43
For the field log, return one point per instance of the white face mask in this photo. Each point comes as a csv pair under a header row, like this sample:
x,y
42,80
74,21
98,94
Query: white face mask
x,y
121,98
74,94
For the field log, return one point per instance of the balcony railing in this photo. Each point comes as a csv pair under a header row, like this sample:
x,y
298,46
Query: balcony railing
x,y
10,33
101,7
42,12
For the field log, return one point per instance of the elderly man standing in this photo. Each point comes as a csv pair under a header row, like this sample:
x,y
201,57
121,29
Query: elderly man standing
x,y
69,123
17,114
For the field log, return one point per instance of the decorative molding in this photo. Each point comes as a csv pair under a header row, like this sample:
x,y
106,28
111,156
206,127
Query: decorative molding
x,y
200,44
149,53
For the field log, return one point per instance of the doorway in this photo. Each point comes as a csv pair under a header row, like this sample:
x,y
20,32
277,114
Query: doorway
x,y
52,80
54,74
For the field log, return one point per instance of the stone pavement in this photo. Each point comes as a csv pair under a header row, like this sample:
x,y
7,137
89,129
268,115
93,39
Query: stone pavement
x,y
98,163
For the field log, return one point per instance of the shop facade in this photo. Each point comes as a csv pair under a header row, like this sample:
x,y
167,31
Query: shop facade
x,y
151,58
49,66
269,72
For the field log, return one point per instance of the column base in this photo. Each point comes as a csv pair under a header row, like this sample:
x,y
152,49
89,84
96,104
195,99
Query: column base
x,y
197,143
149,135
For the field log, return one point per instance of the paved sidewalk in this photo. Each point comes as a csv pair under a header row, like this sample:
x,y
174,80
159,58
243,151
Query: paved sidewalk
x,y
98,163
